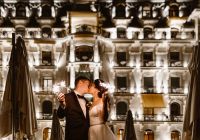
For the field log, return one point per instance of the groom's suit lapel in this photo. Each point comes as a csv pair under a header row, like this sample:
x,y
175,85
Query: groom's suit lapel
x,y
77,103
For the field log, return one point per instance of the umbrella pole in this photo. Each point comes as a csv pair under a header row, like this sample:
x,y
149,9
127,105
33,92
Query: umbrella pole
x,y
12,89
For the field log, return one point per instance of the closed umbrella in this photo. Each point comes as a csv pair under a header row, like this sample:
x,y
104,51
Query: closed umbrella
x,y
17,114
129,133
191,125
56,129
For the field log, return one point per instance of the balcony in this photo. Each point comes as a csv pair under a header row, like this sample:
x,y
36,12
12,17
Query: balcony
x,y
176,63
153,118
44,116
149,63
176,90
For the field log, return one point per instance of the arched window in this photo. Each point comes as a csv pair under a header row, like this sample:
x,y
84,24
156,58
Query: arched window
x,y
46,32
84,53
121,108
46,11
121,32
148,33
47,109
147,11
20,31
148,135
174,11
175,111
46,133
20,10
175,135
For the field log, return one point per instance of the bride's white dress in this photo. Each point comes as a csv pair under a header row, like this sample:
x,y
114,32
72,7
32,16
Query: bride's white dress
x,y
98,129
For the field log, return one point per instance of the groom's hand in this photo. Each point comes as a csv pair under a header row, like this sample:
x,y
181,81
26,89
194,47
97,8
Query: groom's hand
x,y
61,99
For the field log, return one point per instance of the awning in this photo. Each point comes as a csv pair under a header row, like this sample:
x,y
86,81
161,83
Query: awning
x,y
153,101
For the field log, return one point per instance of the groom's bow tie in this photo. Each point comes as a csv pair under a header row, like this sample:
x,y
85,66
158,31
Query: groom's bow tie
x,y
80,96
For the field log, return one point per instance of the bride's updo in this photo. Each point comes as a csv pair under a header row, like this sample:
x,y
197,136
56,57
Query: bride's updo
x,y
101,86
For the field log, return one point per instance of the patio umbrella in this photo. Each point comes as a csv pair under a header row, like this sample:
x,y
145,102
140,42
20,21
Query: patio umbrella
x,y
17,114
191,125
56,129
129,133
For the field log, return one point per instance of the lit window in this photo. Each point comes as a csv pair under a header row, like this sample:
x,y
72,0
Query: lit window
x,y
47,83
46,58
148,85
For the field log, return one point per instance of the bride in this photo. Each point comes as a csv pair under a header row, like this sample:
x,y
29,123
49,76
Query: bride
x,y
99,113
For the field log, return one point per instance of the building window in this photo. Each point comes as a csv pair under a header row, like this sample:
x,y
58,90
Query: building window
x,y
121,58
175,135
46,11
148,33
174,33
148,59
20,31
175,112
46,32
47,108
175,59
148,114
147,12
122,83
175,85
84,53
120,11
121,110
47,133
174,11
20,11
148,135
46,58
83,28
121,33
148,85
47,84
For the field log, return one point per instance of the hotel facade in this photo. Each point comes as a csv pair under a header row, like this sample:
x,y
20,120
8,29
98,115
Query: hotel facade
x,y
142,48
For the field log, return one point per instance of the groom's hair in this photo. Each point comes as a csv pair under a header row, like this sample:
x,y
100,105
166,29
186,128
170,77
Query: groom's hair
x,y
81,78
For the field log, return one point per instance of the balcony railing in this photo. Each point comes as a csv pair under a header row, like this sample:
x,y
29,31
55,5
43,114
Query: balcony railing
x,y
175,63
153,118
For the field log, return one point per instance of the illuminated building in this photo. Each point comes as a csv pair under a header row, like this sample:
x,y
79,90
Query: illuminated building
x,y
141,48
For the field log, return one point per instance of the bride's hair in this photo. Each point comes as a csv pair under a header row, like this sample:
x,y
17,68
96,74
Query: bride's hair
x,y
102,87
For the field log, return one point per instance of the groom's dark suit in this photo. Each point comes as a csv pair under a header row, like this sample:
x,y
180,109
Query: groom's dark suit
x,y
77,124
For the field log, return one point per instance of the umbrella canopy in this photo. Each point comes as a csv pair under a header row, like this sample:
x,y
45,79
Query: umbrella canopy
x,y
129,133
18,111
191,125
56,129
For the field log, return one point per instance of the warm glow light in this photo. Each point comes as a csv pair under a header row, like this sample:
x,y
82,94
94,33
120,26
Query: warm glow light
x,y
37,89
132,90
165,89
185,64
141,35
138,90
129,34
111,64
186,90
38,116
113,116
137,65
159,117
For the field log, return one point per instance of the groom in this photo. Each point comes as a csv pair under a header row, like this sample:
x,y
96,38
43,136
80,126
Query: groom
x,y
73,108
